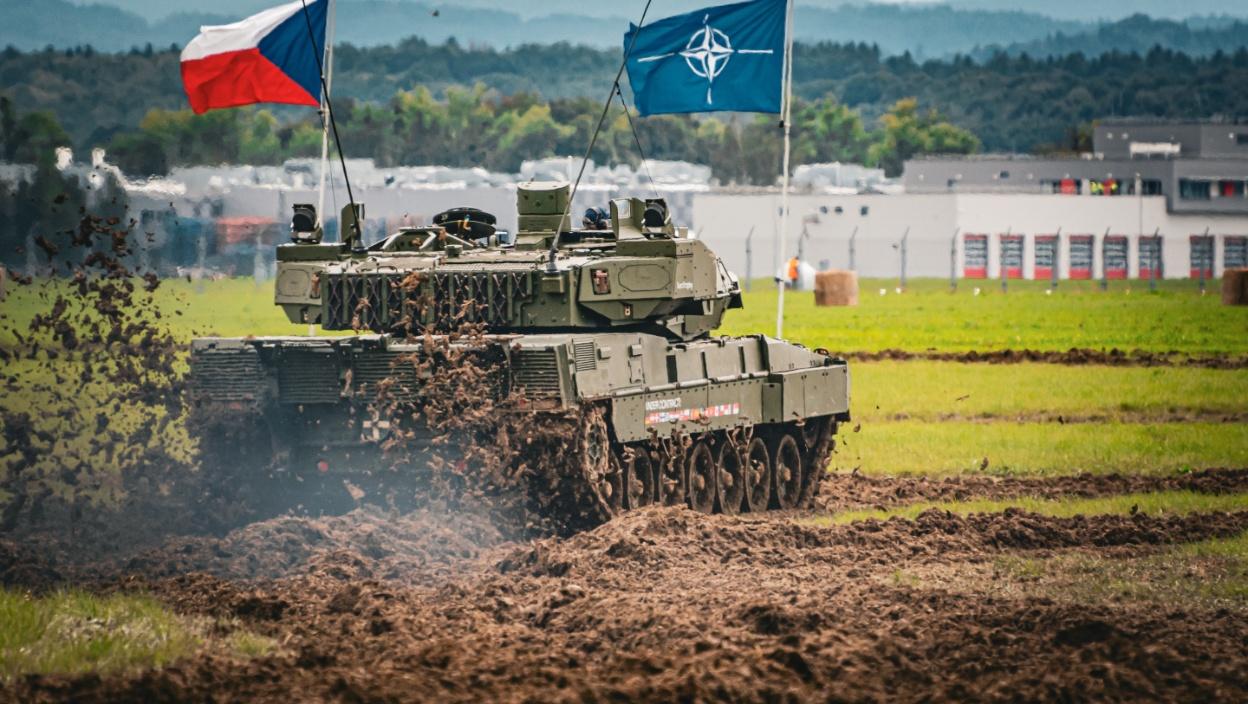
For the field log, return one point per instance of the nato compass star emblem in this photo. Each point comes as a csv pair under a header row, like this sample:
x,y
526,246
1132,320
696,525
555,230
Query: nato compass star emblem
x,y
707,53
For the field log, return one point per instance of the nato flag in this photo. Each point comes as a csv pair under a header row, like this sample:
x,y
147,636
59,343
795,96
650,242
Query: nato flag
x,y
727,57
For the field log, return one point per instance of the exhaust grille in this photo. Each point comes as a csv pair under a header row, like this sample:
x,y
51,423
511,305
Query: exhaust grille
x,y
370,369
584,352
308,377
536,371
441,302
227,375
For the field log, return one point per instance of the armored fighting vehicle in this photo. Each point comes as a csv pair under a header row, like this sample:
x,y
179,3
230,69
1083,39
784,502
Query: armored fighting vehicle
x,y
609,323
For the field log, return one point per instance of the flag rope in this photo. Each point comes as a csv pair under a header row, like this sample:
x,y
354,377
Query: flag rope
x,y
615,86
357,238
637,140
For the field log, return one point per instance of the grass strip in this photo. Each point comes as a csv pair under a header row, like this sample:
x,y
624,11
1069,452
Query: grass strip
x,y
75,632
931,391
1039,449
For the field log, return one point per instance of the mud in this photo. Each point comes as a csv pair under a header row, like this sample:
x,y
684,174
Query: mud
x,y
1075,356
666,603
845,491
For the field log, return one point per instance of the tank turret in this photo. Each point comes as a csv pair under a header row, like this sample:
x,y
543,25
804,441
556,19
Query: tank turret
x,y
626,268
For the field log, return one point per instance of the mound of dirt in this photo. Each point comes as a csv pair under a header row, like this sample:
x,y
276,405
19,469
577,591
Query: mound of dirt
x,y
421,545
672,604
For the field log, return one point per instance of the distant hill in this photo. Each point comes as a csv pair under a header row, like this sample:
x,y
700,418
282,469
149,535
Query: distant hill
x,y
1139,34
925,31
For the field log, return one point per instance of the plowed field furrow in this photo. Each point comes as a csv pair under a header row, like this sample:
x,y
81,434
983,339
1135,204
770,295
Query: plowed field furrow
x,y
851,491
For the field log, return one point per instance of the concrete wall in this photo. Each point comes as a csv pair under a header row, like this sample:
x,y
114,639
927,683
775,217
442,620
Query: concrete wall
x,y
726,219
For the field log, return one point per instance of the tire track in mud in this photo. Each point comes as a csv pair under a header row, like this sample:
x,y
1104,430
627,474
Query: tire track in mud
x,y
1076,356
668,603
841,491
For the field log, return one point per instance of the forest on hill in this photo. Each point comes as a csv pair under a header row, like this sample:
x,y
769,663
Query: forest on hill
x,y
1011,103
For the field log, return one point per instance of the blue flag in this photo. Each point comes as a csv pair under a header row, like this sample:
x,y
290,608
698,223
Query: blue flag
x,y
727,57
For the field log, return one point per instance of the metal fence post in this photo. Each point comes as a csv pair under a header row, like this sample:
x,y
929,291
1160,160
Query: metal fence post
x,y
1154,259
1204,239
1056,262
1005,278
1104,268
749,260
852,236
953,261
904,239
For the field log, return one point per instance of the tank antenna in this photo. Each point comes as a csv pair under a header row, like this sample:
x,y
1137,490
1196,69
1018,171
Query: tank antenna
x,y
357,241
606,107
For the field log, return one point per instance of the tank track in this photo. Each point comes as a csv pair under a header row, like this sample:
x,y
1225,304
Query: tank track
x,y
760,468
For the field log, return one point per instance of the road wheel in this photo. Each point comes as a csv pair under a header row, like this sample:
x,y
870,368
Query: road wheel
x,y
639,478
703,486
671,477
613,486
732,479
786,464
757,475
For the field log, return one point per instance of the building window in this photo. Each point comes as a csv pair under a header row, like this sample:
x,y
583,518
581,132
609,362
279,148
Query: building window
x,y
1190,189
1231,189
1003,174
1234,252
1148,186
974,256
1241,138
1201,256
1081,256
1150,257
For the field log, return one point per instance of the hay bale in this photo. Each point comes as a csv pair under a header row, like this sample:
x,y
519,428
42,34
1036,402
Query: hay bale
x,y
836,288
1235,287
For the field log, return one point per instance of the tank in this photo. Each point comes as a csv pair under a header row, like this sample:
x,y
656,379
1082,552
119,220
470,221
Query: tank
x,y
599,338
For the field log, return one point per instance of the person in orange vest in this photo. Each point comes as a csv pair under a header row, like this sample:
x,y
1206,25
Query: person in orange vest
x,y
792,271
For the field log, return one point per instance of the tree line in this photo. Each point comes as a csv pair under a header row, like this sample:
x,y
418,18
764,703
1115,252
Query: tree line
x,y
1009,103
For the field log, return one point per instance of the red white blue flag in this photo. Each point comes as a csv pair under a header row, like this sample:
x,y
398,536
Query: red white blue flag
x,y
270,57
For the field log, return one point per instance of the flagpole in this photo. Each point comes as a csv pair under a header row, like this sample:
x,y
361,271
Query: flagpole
x,y
786,113
329,78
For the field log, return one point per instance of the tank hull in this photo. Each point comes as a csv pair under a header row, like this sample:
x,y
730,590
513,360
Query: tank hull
x,y
637,417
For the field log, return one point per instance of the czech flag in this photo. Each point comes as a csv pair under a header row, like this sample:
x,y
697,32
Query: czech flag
x,y
266,58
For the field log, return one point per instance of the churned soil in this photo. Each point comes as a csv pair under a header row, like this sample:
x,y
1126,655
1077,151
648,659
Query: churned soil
x,y
659,603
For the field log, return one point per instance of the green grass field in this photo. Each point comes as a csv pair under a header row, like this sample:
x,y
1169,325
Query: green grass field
x,y
925,317
940,417
928,317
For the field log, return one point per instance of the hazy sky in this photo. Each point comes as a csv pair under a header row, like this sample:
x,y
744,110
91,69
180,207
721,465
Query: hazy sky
x,y
1067,9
